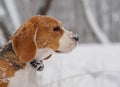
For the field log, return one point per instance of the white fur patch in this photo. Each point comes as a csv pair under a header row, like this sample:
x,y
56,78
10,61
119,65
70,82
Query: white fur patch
x,y
24,78
67,43
43,53
27,77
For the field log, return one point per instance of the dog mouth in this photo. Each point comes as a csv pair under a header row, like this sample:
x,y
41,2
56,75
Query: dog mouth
x,y
68,48
57,51
48,57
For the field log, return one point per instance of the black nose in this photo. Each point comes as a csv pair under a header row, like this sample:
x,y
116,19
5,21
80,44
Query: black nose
x,y
76,37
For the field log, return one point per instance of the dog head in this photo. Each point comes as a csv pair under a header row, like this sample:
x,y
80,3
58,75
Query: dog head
x,y
39,35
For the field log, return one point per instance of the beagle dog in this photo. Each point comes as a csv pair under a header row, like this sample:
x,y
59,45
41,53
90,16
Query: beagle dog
x,y
36,40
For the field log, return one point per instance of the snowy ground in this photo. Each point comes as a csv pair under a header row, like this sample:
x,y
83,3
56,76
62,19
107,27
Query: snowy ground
x,y
86,66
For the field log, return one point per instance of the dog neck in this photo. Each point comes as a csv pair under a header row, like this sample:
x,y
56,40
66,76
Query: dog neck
x,y
7,53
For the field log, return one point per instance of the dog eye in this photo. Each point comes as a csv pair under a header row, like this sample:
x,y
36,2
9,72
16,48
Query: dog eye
x,y
56,29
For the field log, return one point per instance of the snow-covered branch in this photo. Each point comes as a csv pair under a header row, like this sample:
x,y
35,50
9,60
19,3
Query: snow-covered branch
x,y
44,9
5,30
2,39
11,6
93,23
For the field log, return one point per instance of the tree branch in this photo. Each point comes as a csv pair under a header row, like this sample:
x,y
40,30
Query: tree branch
x,y
5,31
44,9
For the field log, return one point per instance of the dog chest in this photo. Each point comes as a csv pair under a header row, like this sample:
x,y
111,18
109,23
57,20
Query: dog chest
x,y
24,78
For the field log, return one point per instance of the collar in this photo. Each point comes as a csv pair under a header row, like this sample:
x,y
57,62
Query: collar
x,y
38,65
10,47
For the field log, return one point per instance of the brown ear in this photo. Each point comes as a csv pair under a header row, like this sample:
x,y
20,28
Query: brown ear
x,y
24,44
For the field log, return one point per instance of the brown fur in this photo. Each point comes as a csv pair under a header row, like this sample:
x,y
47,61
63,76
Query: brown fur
x,y
36,33
9,63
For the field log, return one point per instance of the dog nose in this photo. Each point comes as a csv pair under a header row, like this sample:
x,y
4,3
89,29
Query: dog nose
x,y
76,37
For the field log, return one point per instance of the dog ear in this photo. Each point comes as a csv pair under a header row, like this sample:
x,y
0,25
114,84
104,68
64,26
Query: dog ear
x,y
23,42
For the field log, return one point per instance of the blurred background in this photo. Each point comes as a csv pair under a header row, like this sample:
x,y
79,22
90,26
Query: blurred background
x,y
95,61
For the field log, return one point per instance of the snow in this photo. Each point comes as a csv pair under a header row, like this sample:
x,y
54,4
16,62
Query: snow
x,y
89,65
95,27
3,78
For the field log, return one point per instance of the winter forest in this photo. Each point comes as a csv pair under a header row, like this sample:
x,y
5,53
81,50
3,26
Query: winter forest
x,y
95,61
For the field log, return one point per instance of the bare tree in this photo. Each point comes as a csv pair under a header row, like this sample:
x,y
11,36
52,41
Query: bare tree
x,y
5,30
44,9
